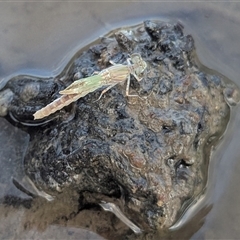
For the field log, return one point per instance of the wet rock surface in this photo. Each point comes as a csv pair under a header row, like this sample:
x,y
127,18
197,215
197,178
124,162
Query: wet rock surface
x,y
148,154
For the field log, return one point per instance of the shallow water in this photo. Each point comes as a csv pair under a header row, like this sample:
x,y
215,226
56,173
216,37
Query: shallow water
x,y
40,38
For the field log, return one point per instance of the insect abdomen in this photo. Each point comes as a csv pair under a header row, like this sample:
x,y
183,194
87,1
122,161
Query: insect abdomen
x,y
56,105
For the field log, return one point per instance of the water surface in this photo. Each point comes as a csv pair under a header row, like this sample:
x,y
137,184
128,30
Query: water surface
x,y
40,38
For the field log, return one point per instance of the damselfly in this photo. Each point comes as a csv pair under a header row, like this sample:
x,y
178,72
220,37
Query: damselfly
x,y
108,78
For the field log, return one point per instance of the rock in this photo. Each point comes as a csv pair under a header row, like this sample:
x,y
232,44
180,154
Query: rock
x,y
150,154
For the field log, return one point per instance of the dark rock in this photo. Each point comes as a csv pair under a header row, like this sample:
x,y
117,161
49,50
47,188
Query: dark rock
x,y
148,152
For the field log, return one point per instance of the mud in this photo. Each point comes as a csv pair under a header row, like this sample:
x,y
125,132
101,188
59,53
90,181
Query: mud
x,y
149,154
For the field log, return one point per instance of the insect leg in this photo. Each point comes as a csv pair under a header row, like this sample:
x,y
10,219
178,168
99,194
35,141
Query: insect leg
x,y
113,63
127,89
95,73
129,61
104,91
137,77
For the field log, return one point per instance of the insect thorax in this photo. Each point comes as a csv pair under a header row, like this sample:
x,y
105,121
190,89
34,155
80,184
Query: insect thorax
x,y
106,76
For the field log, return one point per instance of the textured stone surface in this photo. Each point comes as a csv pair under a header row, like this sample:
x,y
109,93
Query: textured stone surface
x,y
149,154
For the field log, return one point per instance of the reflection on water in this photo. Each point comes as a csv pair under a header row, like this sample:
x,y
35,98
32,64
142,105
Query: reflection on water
x,y
13,144
45,37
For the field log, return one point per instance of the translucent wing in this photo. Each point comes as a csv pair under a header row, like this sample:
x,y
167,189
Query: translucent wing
x,y
83,86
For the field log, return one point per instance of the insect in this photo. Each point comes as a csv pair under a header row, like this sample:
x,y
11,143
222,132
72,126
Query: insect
x,y
108,78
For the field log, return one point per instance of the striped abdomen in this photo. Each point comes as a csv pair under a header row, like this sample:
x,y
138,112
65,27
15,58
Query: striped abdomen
x,y
56,105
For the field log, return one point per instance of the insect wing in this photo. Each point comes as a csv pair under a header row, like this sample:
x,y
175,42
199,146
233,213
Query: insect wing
x,y
84,85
